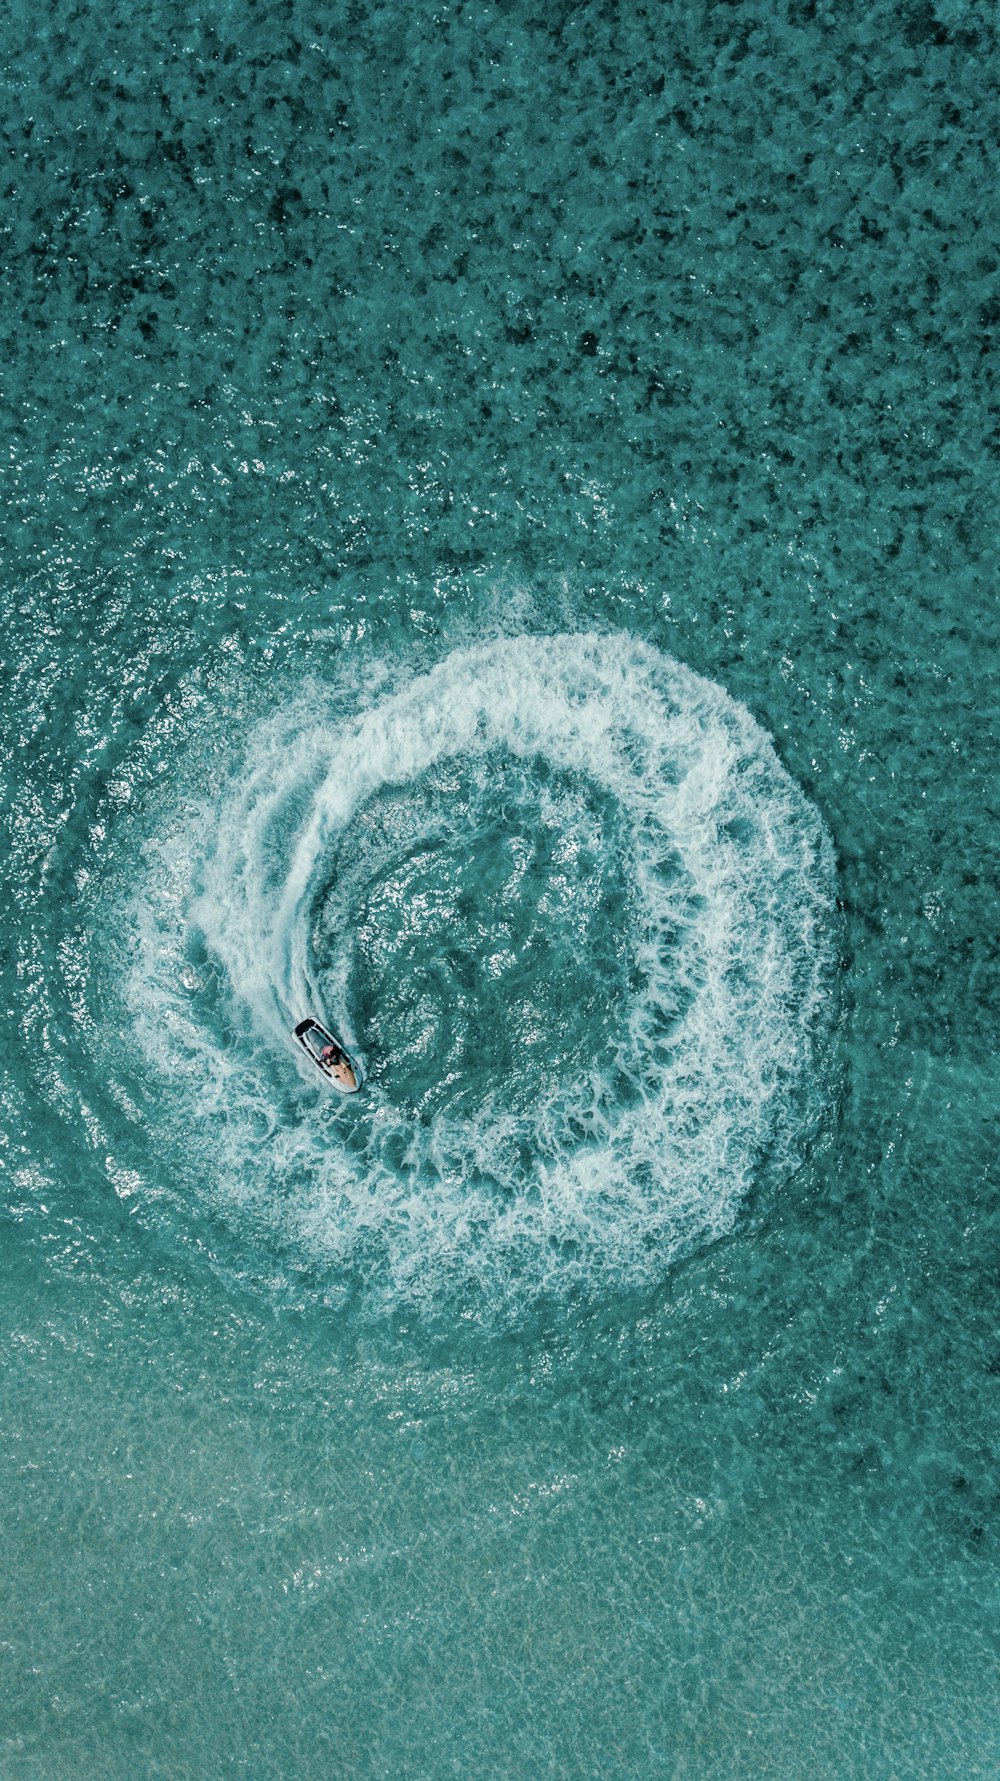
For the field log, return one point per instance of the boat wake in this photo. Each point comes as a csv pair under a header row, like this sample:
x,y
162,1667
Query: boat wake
x,y
563,900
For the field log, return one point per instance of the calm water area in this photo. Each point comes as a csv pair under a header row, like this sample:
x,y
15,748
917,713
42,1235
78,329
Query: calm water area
x,y
499,552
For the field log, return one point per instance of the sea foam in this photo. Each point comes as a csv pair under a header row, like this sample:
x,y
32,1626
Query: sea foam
x,y
615,1163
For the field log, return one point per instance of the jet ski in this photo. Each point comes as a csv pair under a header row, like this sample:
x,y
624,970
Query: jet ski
x,y
331,1058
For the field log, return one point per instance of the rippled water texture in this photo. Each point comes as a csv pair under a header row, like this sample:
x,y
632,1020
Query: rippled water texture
x,y
565,901
500,554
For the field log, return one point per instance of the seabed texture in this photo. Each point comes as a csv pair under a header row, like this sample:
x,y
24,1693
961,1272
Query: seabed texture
x,y
500,554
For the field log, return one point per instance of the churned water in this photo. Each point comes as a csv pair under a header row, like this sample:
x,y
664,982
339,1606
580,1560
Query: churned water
x,y
500,554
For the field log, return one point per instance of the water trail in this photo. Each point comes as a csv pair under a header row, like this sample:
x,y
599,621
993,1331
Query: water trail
x,y
564,898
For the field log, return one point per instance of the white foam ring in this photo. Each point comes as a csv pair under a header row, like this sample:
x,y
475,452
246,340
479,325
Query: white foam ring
x,y
631,1162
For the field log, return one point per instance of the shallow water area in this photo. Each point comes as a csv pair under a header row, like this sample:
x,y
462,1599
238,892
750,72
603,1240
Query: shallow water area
x,y
501,557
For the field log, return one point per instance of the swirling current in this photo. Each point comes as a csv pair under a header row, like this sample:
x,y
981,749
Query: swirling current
x,y
429,434
564,901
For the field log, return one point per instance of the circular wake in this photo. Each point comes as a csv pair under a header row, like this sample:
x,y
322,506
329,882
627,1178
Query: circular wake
x,y
565,902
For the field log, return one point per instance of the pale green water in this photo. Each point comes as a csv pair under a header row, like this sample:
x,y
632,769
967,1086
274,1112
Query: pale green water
x,y
500,552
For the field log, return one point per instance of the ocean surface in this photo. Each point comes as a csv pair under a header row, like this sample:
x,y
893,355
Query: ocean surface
x,y
499,553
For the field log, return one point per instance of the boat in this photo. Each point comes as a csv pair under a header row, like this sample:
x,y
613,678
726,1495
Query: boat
x,y
315,1039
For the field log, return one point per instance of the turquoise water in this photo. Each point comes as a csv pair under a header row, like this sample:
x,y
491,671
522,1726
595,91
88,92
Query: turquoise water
x,y
500,553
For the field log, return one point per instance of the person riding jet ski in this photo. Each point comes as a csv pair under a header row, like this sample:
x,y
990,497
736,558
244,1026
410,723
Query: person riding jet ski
x,y
338,1064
